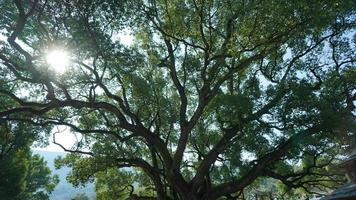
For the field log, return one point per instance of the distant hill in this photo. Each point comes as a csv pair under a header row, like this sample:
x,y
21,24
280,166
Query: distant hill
x,y
64,190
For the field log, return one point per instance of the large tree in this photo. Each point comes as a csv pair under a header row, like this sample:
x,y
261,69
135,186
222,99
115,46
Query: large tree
x,y
211,97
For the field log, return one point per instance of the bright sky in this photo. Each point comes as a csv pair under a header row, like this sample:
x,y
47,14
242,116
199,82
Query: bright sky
x,y
125,37
59,60
63,137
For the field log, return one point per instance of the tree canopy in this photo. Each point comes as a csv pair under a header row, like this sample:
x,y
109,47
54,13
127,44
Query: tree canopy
x,y
212,98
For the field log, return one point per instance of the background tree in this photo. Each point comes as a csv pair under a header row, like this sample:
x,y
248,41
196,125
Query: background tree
x,y
212,96
81,196
23,175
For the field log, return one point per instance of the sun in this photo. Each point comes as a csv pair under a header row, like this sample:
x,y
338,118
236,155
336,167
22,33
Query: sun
x,y
58,60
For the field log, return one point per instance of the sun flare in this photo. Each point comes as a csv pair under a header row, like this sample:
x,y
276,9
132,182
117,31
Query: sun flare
x,y
58,60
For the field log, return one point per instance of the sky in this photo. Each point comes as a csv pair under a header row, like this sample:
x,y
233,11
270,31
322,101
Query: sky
x,y
63,136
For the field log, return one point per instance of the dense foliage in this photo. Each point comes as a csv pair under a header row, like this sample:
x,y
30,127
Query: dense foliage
x,y
212,99
23,175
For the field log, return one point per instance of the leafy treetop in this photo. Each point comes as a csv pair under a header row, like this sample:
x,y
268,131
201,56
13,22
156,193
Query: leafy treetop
x,y
211,98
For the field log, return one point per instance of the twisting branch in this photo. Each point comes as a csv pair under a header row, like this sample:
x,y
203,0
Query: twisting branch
x,y
259,165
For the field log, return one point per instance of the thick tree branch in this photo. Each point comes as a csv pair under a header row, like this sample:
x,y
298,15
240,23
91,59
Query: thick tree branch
x,y
260,165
